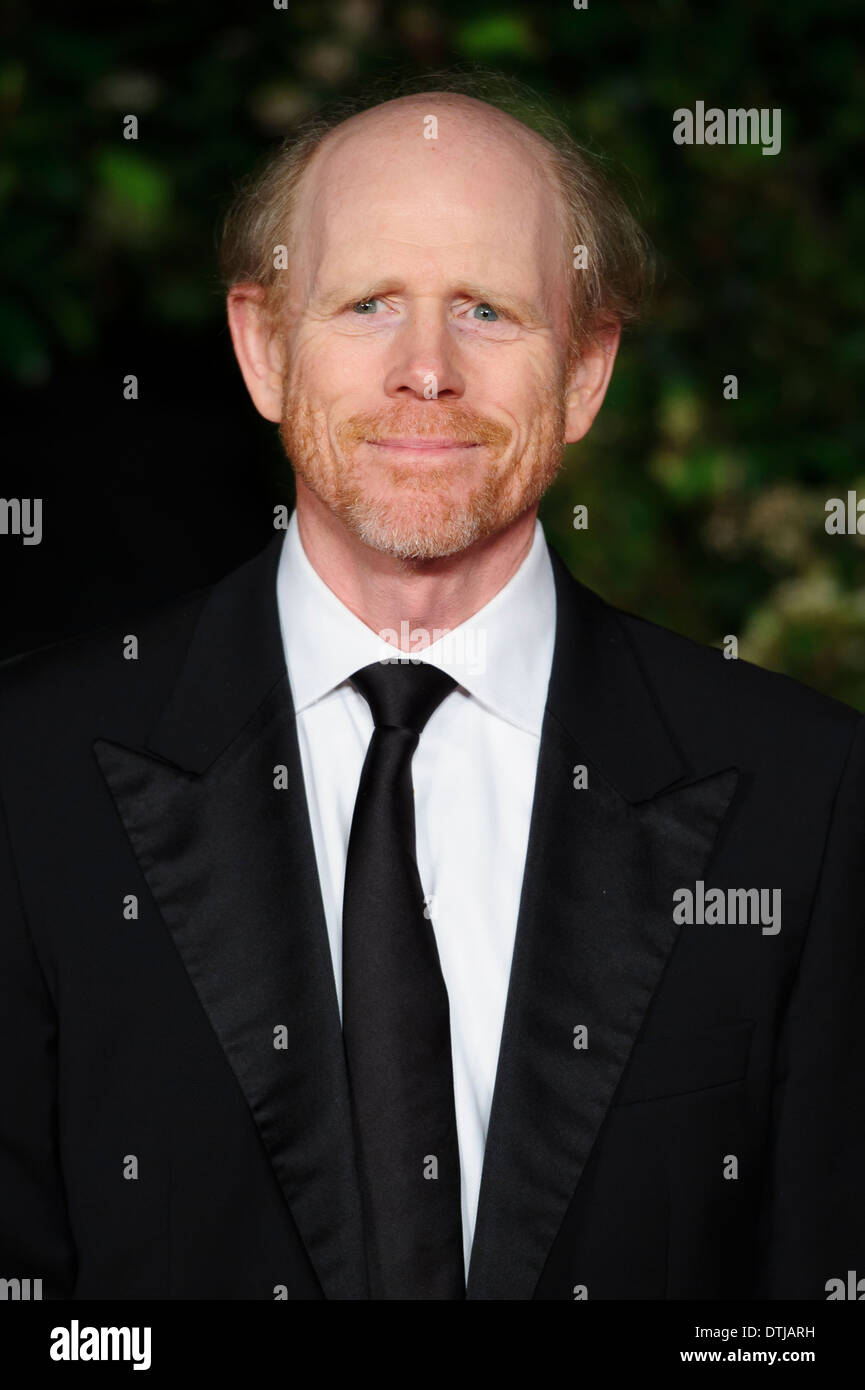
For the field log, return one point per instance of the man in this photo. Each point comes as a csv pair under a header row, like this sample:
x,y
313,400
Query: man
x,y
403,921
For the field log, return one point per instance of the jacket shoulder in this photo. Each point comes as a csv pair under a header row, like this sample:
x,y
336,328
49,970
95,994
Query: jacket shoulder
x,y
693,676
129,660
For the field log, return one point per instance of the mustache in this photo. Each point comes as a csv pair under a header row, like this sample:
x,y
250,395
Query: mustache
x,y
454,421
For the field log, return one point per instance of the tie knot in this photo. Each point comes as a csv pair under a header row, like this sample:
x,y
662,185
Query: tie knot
x,y
402,695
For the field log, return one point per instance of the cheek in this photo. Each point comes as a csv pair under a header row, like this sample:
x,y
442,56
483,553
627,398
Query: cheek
x,y
529,396
523,380
332,367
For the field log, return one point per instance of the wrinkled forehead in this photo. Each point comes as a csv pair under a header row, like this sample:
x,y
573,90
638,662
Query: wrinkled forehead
x,y
429,187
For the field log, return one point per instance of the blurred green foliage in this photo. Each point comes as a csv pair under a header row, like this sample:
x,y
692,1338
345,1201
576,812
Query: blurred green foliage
x,y
706,514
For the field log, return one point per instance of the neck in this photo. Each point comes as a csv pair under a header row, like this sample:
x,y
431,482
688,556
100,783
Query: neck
x,y
409,596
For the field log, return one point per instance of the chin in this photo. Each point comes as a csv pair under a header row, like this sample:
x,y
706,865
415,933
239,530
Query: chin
x,y
413,537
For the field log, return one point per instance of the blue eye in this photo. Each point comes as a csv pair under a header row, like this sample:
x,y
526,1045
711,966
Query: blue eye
x,y
489,313
364,306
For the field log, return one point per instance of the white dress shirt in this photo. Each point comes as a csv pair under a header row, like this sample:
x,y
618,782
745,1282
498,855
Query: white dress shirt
x,y
474,777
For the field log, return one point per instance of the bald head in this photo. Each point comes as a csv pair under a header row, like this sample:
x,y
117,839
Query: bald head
x,y
456,136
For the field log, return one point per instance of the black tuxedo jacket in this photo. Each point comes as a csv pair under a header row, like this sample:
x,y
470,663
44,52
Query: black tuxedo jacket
x,y
174,1116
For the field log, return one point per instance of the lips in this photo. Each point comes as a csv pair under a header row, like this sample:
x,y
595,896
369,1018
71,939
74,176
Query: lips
x,y
418,445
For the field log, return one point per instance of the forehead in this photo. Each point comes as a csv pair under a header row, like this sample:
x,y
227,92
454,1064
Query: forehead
x,y
381,198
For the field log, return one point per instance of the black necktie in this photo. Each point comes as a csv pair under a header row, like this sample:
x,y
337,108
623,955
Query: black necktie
x,y
396,1023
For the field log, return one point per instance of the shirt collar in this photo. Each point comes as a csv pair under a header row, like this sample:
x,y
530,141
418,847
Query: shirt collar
x,y
502,655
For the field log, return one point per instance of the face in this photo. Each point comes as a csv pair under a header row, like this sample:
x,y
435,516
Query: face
x,y
425,332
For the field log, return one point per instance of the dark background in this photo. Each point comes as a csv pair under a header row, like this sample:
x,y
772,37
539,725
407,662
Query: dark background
x,y
705,515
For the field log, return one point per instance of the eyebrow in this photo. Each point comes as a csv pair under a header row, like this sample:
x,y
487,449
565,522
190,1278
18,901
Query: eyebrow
x,y
513,304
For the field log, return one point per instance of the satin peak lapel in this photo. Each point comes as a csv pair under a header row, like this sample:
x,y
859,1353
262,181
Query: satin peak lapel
x,y
225,845
594,931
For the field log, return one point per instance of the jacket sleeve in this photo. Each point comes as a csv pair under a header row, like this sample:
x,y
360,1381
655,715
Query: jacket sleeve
x,y
35,1238
812,1227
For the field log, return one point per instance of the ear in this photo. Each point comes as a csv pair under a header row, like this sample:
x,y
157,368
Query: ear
x,y
588,379
258,349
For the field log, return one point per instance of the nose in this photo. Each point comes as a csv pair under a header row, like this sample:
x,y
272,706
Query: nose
x,y
424,357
